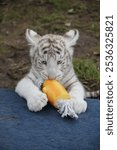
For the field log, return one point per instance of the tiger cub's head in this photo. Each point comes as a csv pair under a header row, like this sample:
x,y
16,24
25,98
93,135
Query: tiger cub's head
x,y
51,55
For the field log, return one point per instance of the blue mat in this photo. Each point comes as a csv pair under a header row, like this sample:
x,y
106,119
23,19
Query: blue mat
x,y
21,129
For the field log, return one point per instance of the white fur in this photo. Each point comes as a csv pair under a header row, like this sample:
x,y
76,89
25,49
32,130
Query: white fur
x,y
27,89
77,93
71,38
31,37
36,100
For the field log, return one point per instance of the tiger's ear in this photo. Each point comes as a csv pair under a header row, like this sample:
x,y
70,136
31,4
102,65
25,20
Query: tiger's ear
x,y
71,37
32,37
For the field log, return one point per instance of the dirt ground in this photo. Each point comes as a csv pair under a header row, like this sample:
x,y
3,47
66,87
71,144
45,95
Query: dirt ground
x,y
16,16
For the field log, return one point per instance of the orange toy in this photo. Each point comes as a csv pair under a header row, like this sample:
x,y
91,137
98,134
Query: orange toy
x,y
54,91
59,97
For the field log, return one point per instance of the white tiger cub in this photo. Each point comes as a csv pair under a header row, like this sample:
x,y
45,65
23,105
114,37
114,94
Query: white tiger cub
x,y
51,58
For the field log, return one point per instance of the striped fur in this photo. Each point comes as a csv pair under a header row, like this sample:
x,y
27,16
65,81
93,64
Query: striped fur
x,y
51,58
93,93
57,53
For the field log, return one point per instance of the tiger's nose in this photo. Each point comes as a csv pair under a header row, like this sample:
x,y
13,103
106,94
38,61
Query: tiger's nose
x,y
52,68
52,74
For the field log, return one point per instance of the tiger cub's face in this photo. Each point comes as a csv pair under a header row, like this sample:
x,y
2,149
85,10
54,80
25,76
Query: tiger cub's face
x,y
51,55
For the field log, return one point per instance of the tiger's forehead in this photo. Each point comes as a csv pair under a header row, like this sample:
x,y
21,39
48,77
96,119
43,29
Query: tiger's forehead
x,y
51,40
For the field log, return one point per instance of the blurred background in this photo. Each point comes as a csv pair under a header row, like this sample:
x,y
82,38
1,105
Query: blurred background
x,y
49,16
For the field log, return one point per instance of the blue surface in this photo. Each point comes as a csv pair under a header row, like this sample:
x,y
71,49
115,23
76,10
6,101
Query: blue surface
x,y
21,129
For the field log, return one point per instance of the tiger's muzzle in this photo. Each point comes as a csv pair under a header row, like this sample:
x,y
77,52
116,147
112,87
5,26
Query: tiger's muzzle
x,y
53,71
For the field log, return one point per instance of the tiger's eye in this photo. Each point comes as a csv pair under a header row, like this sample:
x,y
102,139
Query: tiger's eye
x,y
45,52
59,62
44,62
57,52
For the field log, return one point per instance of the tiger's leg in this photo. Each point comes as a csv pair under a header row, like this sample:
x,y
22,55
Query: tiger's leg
x,y
77,93
36,100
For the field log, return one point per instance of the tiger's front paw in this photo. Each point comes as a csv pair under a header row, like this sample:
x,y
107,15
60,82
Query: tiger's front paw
x,y
37,101
79,106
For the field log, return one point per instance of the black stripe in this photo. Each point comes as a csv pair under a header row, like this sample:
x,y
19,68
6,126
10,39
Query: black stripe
x,y
42,42
71,84
44,48
59,49
69,79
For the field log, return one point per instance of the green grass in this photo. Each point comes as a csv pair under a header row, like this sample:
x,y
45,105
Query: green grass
x,y
50,18
61,4
4,49
52,15
86,69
